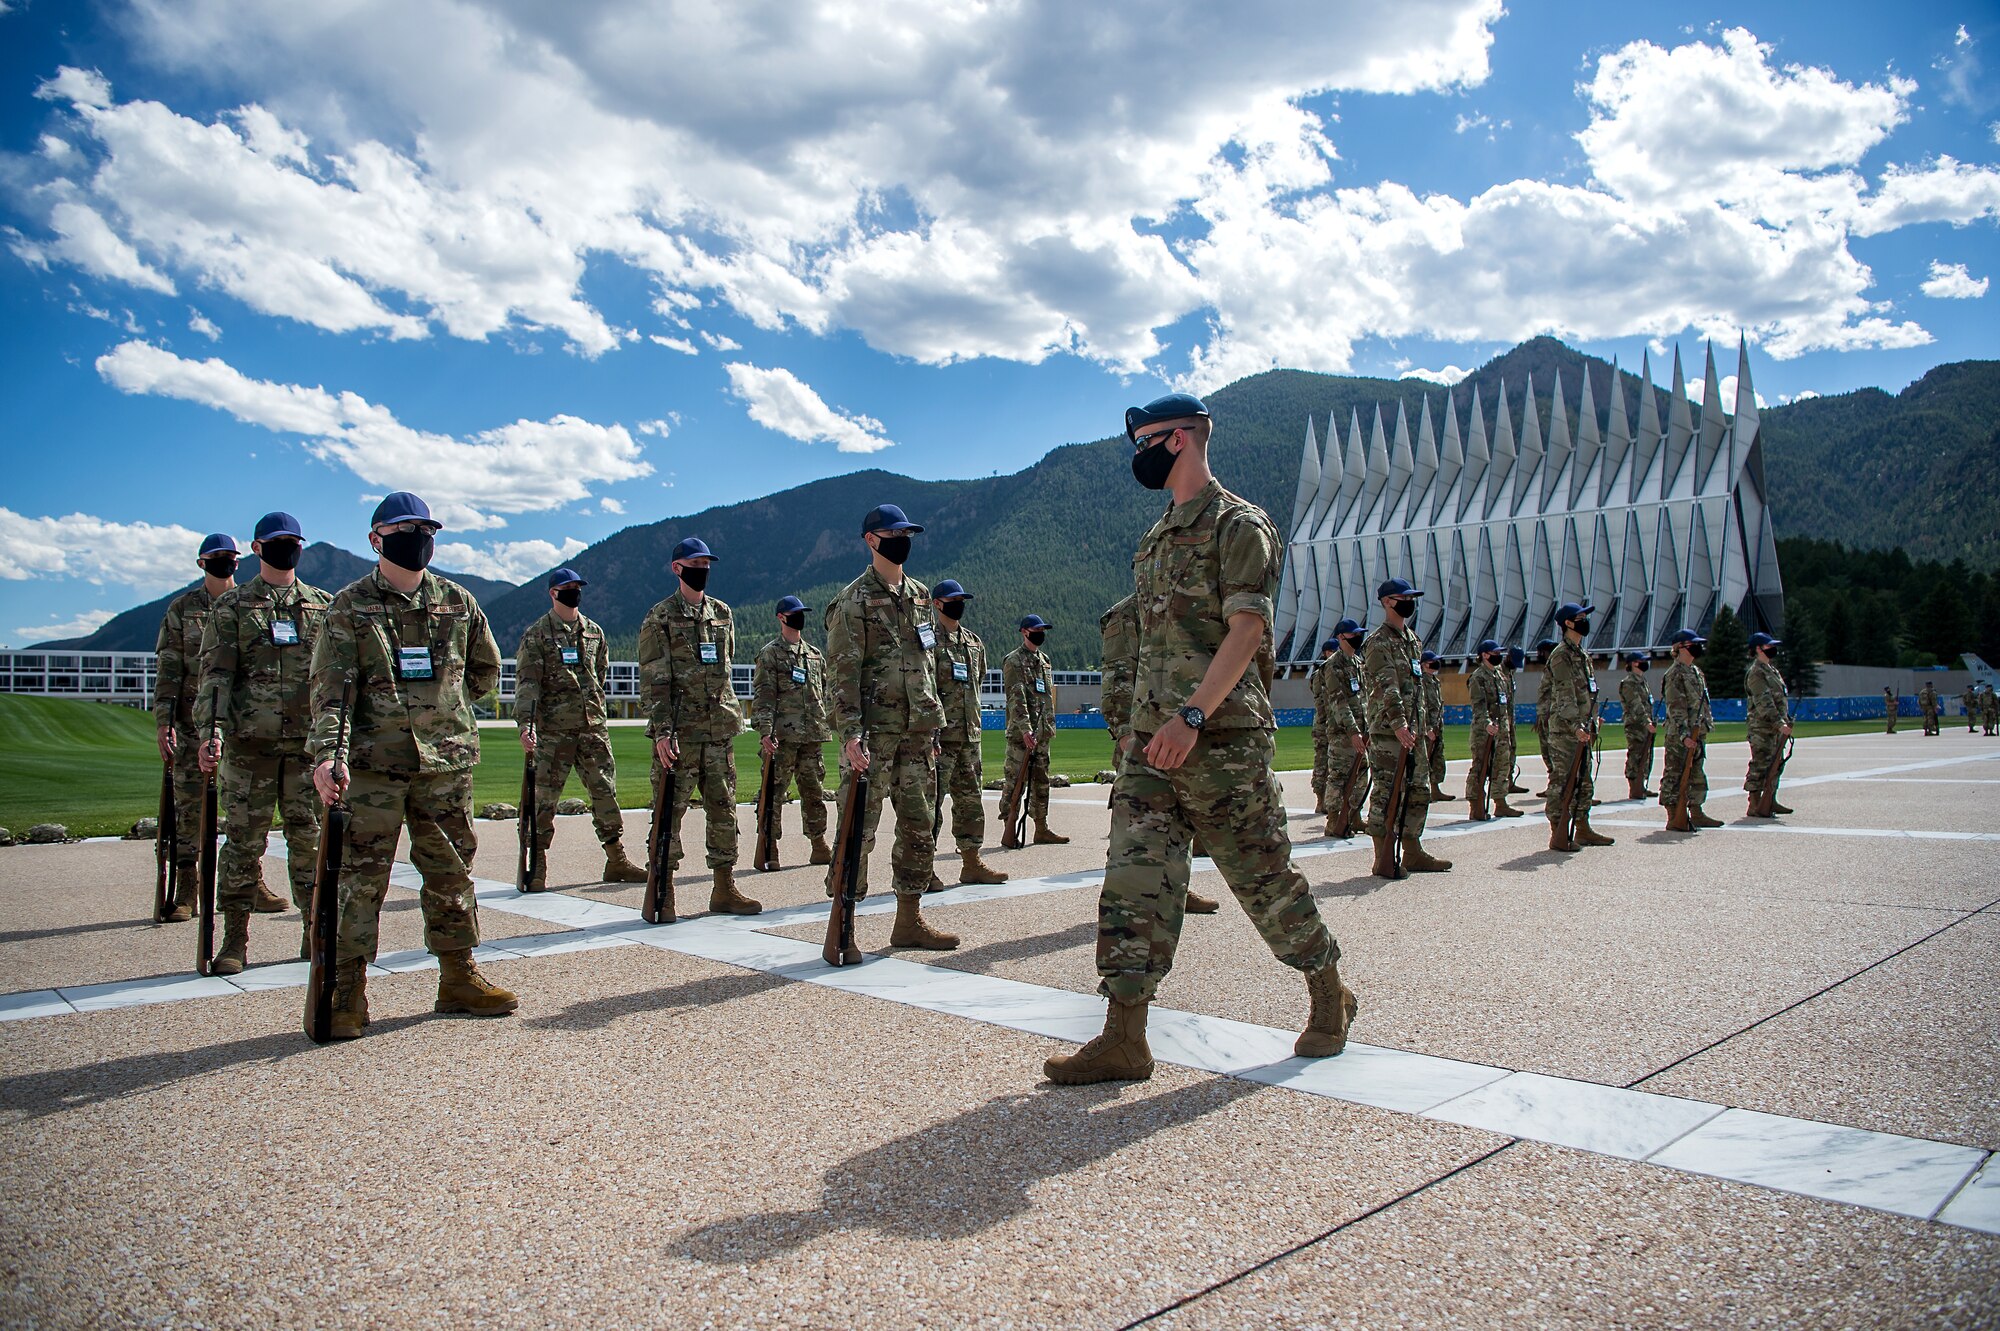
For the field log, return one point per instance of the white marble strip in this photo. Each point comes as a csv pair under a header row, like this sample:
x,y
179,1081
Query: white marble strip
x,y
1931,780
1893,833
1792,783
1977,1205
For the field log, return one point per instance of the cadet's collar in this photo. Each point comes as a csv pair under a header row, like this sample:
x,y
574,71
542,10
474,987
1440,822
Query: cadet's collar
x,y
1182,515
899,591
387,588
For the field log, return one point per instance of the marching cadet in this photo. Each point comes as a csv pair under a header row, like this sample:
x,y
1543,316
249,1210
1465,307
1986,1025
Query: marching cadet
x,y
1927,702
1770,721
1889,705
686,645
256,688
960,668
1569,697
1516,659
1434,713
788,709
1203,739
1347,728
1968,702
1030,684
1689,719
1492,731
881,641
416,651
1543,650
1399,730
1322,721
1637,701
560,670
1992,710
176,680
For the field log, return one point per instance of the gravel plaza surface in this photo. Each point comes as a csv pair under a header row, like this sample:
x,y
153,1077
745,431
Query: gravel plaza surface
x,y
1745,1078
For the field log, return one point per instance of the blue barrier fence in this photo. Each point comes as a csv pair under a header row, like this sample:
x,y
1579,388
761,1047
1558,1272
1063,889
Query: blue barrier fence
x,y
1725,709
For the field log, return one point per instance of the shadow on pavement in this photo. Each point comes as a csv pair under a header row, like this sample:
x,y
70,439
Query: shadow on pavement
x,y
598,1012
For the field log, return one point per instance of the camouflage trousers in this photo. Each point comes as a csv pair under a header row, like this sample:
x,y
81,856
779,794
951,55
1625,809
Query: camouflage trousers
x,y
1341,762
1639,754
1568,758
254,776
1385,758
1498,755
899,770
438,808
1036,796
1930,720
1766,743
1322,764
1673,760
1889,709
589,752
1437,759
707,767
804,761
187,794
1227,794
959,769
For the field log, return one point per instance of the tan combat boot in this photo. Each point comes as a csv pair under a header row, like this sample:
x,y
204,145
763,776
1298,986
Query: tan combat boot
x,y
1780,808
937,884
183,895
1699,817
1332,830
1586,837
538,874
233,956
1333,1009
266,902
821,852
972,869
306,939
1119,1053
461,988
724,899
617,867
1044,837
1502,809
1636,790
350,1004
1385,861
1559,838
1418,860
912,931
1197,904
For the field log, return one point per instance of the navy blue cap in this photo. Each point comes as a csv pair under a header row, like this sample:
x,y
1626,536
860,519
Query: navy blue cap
x,y
402,506
790,605
692,547
1429,657
217,541
1546,645
1633,658
1347,628
564,576
1764,640
1488,645
949,590
1569,610
1686,635
1330,645
1172,407
1035,622
1516,658
887,517
274,525
1395,587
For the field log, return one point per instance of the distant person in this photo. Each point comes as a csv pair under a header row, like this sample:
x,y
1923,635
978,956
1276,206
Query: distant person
x,y
1030,684
1509,672
960,670
1543,650
1399,730
1927,703
177,679
1968,702
1768,717
1569,700
686,645
1434,713
1346,729
257,690
1492,734
788,711
560,671
1637,700
418,653
1690,718
1889,706
1992,710
1119,627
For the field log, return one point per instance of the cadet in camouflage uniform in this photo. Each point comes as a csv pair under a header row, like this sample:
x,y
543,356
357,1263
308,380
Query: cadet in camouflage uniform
x,y
1684,689
1569,700
1543,650
1769,719
881,645
960,669
1637,700
788,710
1516,658
1399,730
1347,730
1434,713
686,645
559,674
1968,702
1889,706
1492,733
1323,702
417,651
256,685
1029,682
1927,703
1201,759
1992,710
177,678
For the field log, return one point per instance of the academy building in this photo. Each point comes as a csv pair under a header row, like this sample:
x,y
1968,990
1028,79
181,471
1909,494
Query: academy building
x,y
1657,523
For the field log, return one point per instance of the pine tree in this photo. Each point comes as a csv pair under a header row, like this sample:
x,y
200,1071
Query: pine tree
x,y
1798,659
1728,655
1840,631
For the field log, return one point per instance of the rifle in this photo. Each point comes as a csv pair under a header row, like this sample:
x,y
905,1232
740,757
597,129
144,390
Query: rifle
x,y
765,855
1397,814
1678,820
1482,765
323,919
1768,796
937,797
531,856
1347,801
658,906
844,884
204,934
1569,788
166,848
1014,806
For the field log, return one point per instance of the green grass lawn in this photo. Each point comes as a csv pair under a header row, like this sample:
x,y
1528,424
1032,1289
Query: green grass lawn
x,y
93,767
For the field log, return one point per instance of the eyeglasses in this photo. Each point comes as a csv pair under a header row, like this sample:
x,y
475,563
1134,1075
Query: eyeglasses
x,y
1145,441
412,525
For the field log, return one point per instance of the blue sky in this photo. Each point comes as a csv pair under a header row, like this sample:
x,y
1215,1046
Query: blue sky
x,y
567,268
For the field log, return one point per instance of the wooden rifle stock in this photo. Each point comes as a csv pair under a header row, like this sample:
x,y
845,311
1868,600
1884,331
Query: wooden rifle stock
x,y
765,856
1678,820
205,864
845,884
166,847
1014,808
1767,798
323,918
1399,805
1354,771
530,835
1569,790
658,906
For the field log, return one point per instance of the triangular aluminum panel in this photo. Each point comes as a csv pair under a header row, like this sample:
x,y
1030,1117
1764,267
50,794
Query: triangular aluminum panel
x,y
1451,461
1588,469
1648,461
1528,460
1417,499
1618,459
1400,467
1677,477
1557,480
1500,470
1478,460
1714,429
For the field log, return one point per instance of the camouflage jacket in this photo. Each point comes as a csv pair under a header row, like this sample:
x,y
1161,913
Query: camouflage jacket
x,y
684,657
788,697
1685,690
1433,700
1637,700
1391,680
1331,708
1764,695
256,661
1208,559
178,670
1569,689
403,726
559,675
1119,627
1491,698
1030,682
1507,698
881,645
1926,696
961,667
1968,701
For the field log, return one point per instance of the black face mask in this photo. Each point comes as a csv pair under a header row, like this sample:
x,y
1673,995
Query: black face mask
x,y
570,596
1353,644
951,609
1697,650
282,555
1151,466
796,620
695,578
1642,667
895,549
1037,637
1580,625
1405,608
219,566
409,549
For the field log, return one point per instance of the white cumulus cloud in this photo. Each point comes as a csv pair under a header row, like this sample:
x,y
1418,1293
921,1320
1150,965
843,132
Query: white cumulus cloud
x,y
507,561
79,545
1450,374
1950,281
84,623
610,505
779,400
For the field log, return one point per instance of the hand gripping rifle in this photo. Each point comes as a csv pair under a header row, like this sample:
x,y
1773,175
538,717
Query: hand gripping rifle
x,y
204,934
323,933
166,848
1678,820
769,802
844,884
1767,798
532,855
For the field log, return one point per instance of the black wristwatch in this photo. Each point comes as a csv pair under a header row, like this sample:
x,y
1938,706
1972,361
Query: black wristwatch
x,y
1194,716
